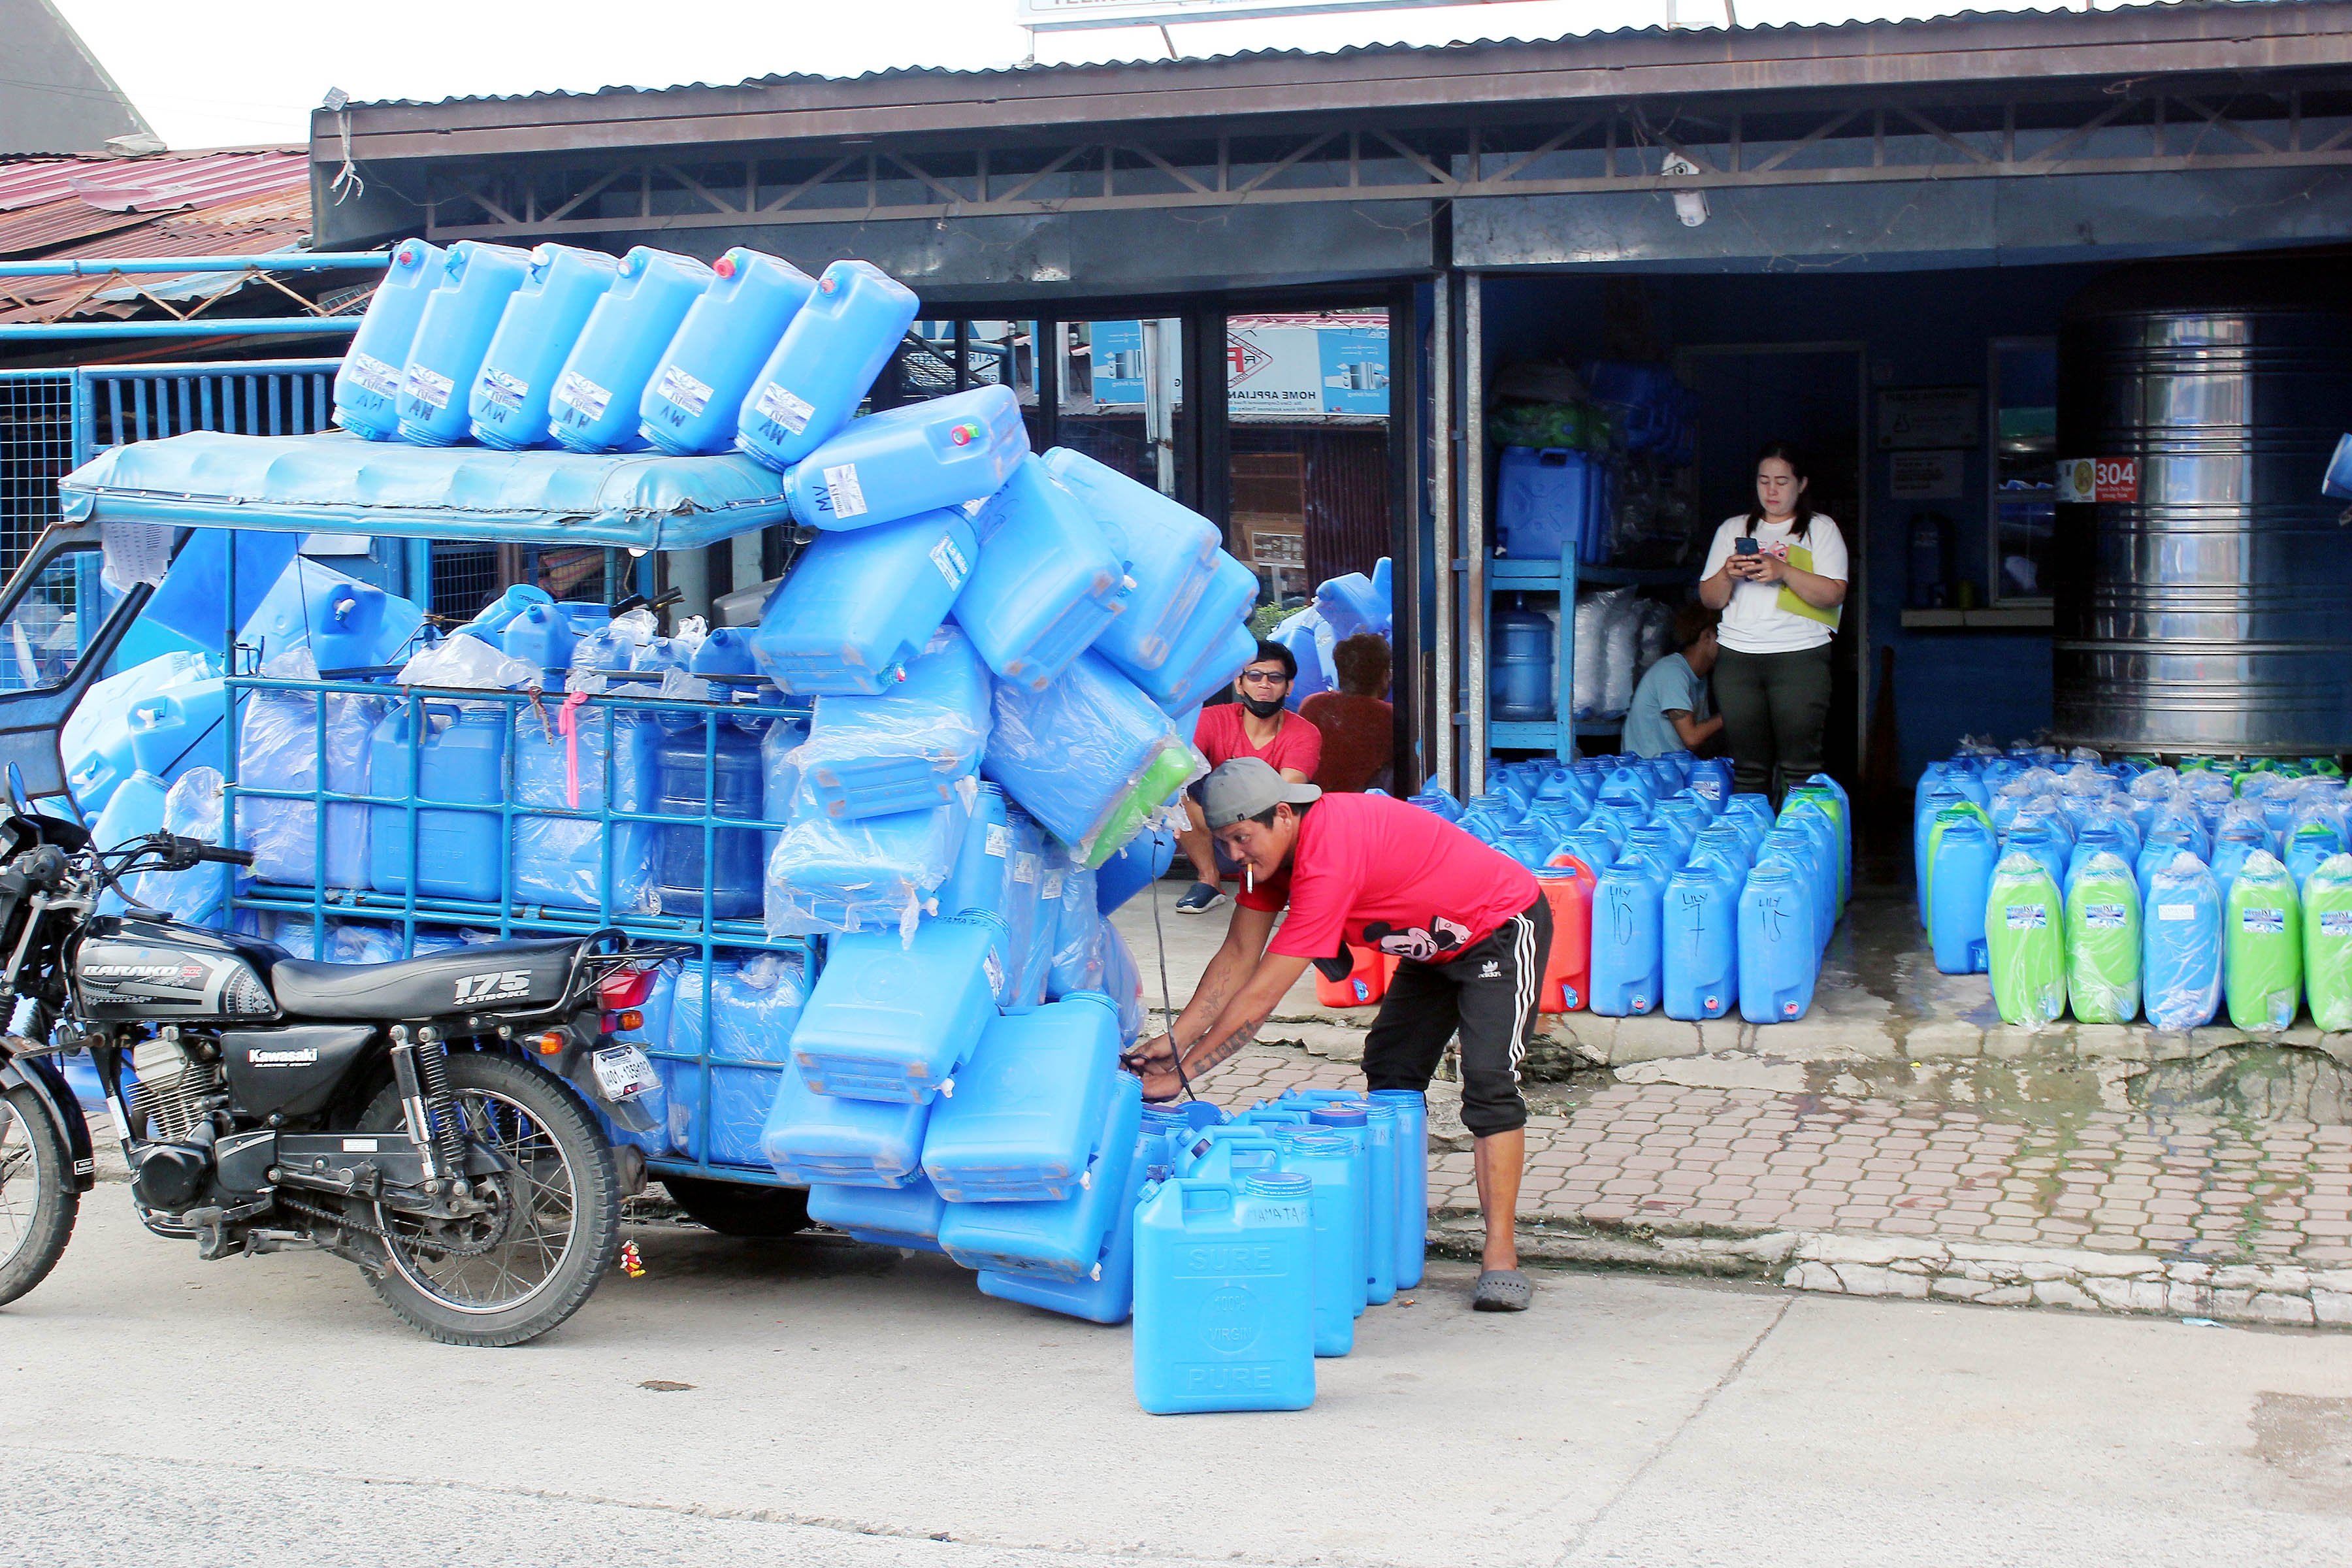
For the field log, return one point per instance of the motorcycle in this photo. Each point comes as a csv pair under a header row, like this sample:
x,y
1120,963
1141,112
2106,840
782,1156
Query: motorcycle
x,y
428,1119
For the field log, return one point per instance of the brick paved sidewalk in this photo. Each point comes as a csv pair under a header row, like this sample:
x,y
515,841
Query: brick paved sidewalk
x,y
2102,1208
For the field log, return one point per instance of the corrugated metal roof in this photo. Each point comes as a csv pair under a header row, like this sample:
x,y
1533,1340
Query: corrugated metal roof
x,y
248,202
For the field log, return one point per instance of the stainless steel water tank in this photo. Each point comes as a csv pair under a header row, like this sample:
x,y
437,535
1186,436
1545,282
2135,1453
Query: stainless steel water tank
x,y
2214,612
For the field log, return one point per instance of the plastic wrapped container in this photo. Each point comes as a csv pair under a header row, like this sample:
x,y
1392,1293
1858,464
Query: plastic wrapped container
x,y
1088,756
507,404
908,748
981,863
1170,552
2103,940
2261,945
885,1216
2181,945
713,767
1048,580
859,605
893,1021
279,748
367,384
460,759
820,369
2025,951
1030,1113
574,757
476,282
1213,1263
2328,942
193,807
691,401
822,1140
1195,667
757,1005
872,874
1066,1240
917,457
593,406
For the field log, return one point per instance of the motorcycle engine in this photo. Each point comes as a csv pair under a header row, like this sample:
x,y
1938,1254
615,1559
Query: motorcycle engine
x,y
178,1086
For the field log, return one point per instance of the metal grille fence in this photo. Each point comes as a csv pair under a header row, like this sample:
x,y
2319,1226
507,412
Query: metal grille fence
x,y
37,450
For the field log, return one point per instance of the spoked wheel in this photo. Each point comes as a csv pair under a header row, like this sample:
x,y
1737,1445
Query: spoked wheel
x,y
37,1203
551,1229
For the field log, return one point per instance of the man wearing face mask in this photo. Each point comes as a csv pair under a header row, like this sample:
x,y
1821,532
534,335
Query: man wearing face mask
x,y
1256,723
1467,922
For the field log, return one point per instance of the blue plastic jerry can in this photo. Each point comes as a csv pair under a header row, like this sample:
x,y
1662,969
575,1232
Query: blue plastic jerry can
x,y
1064,1238
711,767
437,385
367,386
460,759
1048,580
895,1021
1328,1162
1105,1293
1411,1109
948,452
1171,552
885,1216
861,603
1029,1114
1963,859
593,406
692,402
909,748
815,1139
508,406
1779,960
822,365
1700,970
1225,1295
1628,911
1179,682
158,731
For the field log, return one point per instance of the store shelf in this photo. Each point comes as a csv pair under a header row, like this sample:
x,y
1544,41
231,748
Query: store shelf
x,y
2025,618
1542,574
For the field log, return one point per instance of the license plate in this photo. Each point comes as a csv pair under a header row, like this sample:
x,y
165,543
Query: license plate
x,y
623,1071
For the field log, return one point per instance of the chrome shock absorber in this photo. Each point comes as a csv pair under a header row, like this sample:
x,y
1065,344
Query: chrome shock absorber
x,y
448,1134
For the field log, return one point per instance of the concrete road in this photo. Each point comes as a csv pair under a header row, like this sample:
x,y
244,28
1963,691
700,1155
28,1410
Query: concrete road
x,y
824,1403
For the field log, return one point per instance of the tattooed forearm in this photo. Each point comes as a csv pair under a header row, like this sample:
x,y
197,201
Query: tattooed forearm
x,y
1208,1054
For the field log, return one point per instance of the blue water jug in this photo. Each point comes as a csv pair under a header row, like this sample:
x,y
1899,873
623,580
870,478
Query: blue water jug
x,y
947,452
1027,1116
1384,593
1723,844
1171,552
1046,580
509,403
1412,1110
458,756
829,873
1224,1314
1340,1246
692,402
476,282
815,1139
1710,781
158,731
978,880
2181,945
1134,866
2046,842
1700,972
346,624
908,749
1542,498
756,1005
1312,647
1778,959
490,622
1797,849
580,758
1628,909
1106,1293
1199,661
890,1020
1069,755
1657,844
821,367
1521,683
711,768
2310,846
594,406
885,1217
1032,922
367,386
279,748
1349,605
1350,1120
861,603
540,635
1387,1129
1964,855
2113,837
1062,1238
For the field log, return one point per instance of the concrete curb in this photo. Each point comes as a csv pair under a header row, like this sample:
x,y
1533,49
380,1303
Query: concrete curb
x,y
1920,1268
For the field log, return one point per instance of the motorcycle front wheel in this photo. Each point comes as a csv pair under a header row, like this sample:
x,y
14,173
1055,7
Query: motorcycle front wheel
x,y
37,1203
552,1226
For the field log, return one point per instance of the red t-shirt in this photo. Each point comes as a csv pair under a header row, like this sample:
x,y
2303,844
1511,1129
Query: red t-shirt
x,y
1384,874
1219,735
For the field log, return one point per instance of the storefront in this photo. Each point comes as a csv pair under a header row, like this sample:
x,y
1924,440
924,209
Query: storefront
x,y
1293,290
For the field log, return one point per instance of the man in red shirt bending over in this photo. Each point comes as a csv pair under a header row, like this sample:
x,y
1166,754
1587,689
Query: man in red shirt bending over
x,y
1468,922
1254,724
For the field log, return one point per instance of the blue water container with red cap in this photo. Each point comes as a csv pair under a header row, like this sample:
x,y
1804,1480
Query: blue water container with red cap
x,y
367,386
475,283
593,406
561,286
690,402
1225,1295
949,451
820,369
860,605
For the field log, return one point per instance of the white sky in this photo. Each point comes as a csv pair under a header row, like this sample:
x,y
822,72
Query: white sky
x,y
211,79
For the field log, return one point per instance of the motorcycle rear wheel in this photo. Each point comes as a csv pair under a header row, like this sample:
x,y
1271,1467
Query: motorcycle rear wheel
x,y
554,1227
37,1203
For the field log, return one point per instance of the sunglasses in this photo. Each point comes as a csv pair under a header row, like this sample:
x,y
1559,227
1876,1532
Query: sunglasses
x,y
1265,678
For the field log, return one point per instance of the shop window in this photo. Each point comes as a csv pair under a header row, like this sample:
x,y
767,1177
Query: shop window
x,y
2024,468
1123,397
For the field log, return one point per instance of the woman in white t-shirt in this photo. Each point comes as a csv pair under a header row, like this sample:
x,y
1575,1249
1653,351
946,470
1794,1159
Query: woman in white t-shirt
x,y
1779,575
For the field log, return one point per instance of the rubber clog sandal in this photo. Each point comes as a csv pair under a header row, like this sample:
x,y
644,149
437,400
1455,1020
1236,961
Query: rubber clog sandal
x,y
1502,1290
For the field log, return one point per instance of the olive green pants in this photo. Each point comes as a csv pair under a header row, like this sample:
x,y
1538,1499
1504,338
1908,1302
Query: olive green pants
x,y
1774,708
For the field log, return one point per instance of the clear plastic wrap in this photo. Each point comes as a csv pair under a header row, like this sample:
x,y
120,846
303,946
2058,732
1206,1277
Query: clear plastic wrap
x,y
1123,983
1657,637
278,748
826,875
193,808
2328,942
2181,945
1089,757
464,660
905,750
2025,952
2156,784
1032,919
759,1003
1624,651
565,756
1080,949
2103,940
780,778
362,941
1588,679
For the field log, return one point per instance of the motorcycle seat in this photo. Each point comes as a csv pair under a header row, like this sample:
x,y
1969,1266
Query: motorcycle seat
x,y
481,977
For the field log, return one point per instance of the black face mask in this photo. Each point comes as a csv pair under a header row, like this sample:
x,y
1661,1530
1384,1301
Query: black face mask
x,y
1263,706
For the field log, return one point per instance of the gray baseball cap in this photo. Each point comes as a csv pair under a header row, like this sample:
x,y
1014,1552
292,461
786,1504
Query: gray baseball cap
x,y
1245,786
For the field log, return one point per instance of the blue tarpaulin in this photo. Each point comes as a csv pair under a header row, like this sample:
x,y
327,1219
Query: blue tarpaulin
x,y
338,483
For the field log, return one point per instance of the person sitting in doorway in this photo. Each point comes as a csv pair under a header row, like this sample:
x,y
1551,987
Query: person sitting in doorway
x,y
1256,723
1671,711
1357,724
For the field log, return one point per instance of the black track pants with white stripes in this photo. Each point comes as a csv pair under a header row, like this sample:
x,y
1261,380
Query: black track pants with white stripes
x,y
1488,993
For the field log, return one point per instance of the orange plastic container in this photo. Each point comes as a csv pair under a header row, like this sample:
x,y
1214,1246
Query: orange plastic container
x,y
1365,983
1567,885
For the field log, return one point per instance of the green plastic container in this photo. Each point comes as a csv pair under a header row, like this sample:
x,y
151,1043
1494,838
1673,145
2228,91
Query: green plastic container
x,y
2327,942
2103,940
1935,837
2024,942
2261,945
